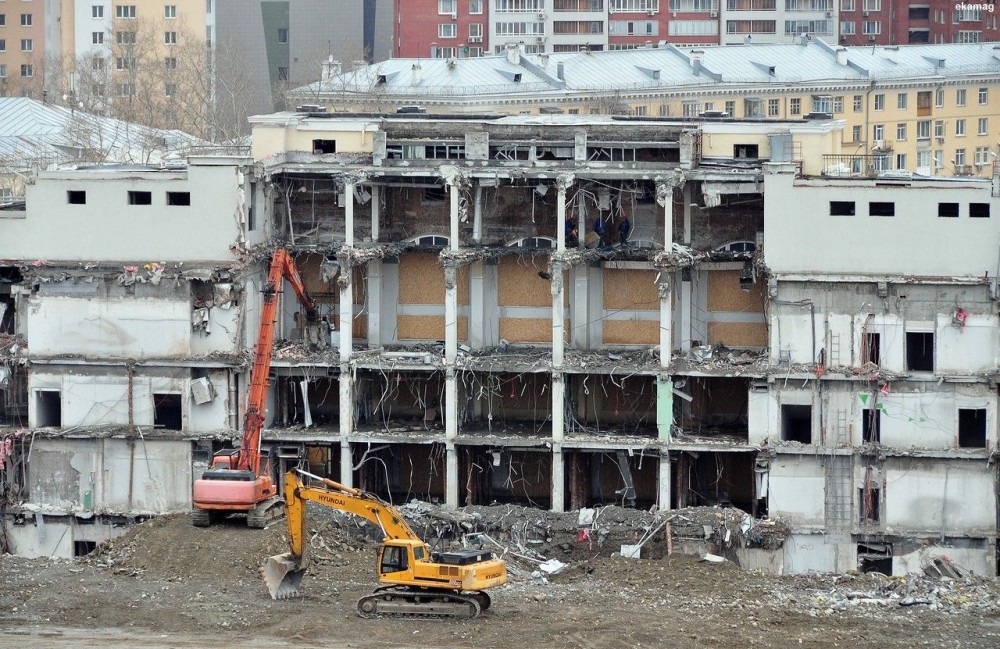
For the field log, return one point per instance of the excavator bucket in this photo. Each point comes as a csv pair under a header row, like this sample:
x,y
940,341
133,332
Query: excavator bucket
x,y
283,575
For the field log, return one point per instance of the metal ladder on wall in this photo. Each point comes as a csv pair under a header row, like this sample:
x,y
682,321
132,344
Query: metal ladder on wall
x,y
838,503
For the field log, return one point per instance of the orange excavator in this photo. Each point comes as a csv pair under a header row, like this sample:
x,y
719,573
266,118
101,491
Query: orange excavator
x,y
239,480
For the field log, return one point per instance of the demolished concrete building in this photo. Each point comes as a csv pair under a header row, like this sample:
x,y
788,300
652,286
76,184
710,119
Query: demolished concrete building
x,y
730,338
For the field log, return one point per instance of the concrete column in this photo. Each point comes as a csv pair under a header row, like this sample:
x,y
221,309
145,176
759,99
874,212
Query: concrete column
x,y
451,475
346,306
664,407
663,482
477,219
477,305
454,194
562,185
450,403
346,463
376,210
558,313
666,317
450,315
558,406
558,479
667,191
687,213
348,213
374,303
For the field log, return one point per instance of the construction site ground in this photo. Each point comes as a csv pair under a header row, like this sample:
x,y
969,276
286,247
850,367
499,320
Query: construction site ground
x,y
168,584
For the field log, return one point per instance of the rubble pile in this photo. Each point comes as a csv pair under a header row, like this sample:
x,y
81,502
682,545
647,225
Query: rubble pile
x,y
935,590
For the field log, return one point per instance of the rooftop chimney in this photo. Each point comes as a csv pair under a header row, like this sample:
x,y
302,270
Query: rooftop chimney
x,y
696,56
544,58
841,56
560,71
892,53
513,54
415,73
331,69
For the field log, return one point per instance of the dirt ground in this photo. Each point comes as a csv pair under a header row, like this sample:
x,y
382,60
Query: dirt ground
x,y
168,584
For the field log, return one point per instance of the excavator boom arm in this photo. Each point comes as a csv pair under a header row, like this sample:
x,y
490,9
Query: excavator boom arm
x,y
337,496
282,266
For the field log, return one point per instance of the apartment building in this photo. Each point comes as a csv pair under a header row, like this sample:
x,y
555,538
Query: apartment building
x,y
440,29
928,108
480,341
28,36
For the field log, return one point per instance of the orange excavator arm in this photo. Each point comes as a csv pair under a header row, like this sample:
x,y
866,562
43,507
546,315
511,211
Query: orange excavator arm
x,y
282,267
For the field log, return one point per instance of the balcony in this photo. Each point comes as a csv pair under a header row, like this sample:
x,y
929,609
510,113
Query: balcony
x,y
856,166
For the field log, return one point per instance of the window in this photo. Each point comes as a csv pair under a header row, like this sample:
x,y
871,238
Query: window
x,y
126,89
97,63
450,7
125,38
48,408
939,98
773,107
475,6
855,134
878,134
167,411
3,20
948,210
140,198
97,11
982,155
959,160
984,96
324,146
872,350
901,131
97,38
170,38
979,210
447,30
3,45
924,129
170,11
841,208
870,499
871,27
794,106
170,63
960,97
170,90
960,127
282,73
881,208
27,70
25,20
847,28
179,198
731,108
124,63
76,197
939,129
900,161
745,151
838,104
26,45
972,428
901,100
124,11
753,108
919,351
879,102
847,5
475,32
796,424
871,426
871,5
938,158
983,126
283,35
858,99
208,6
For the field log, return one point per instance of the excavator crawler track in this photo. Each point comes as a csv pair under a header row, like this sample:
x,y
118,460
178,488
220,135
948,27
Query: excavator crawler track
x,y
265,512
414,603
201,517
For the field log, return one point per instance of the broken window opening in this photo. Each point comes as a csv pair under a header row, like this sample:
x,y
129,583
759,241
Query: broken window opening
x,y
83,548
76,197
48,408
140,198
881,208
948,210
182,199
919,351
870,500
167,411
875,557
873,348
796,424
972,428
324,146
871,426
746,151
979,210
842,208
320,406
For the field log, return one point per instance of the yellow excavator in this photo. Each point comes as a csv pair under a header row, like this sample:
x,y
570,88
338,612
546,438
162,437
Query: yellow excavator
x,y
415,582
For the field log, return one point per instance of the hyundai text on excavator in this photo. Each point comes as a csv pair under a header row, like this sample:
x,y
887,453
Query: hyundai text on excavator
x,y
415,582
238,480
